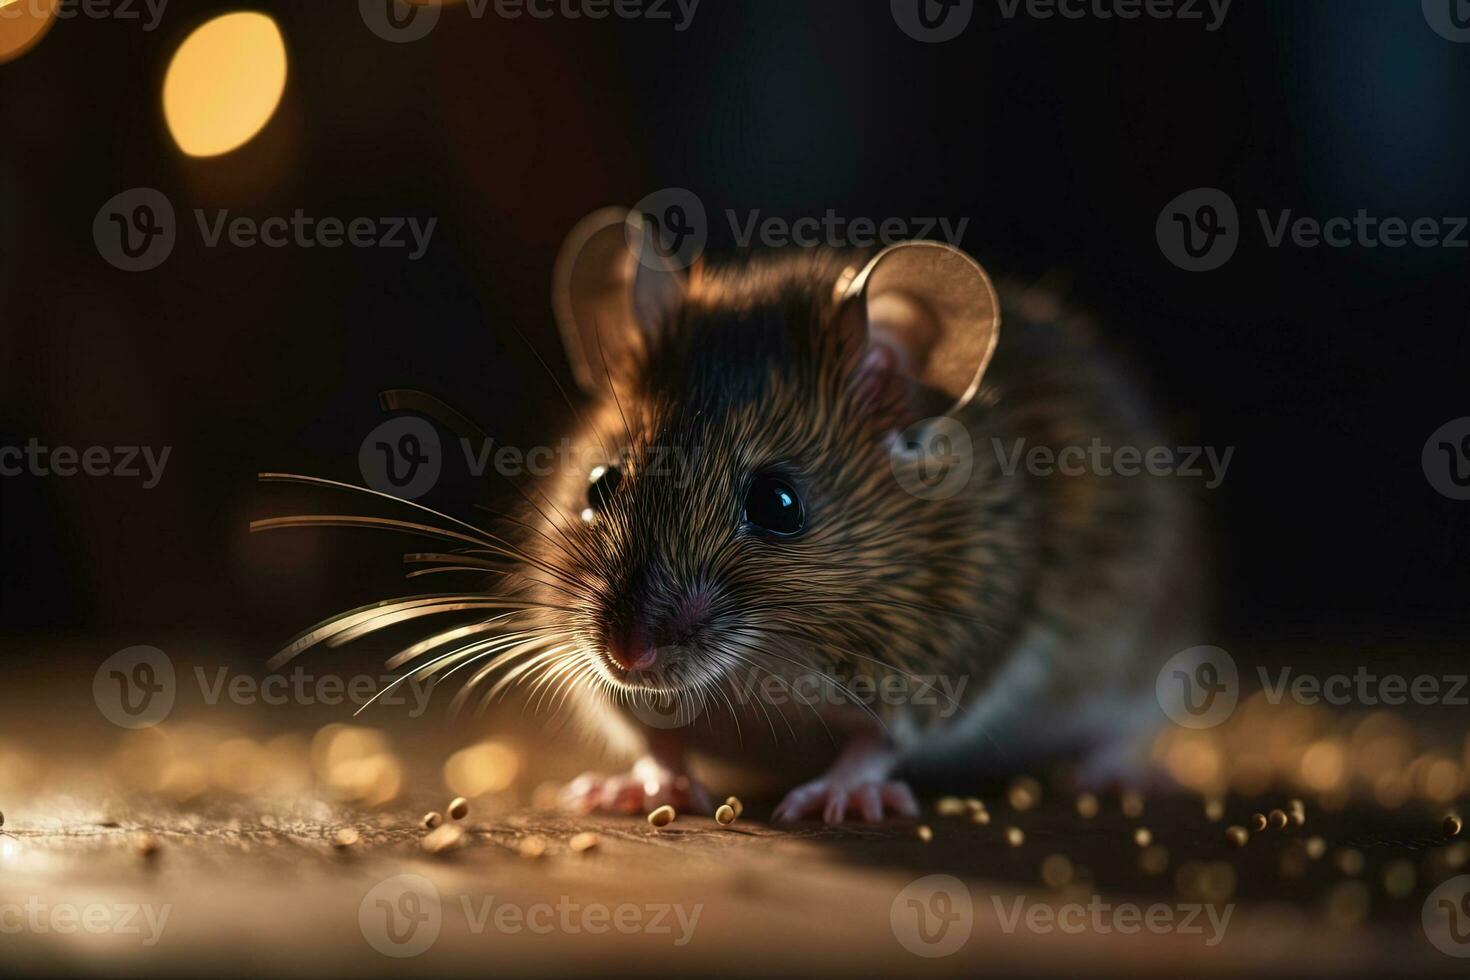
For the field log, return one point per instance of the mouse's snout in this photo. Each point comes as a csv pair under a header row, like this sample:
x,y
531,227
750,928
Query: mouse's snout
x,y
648,642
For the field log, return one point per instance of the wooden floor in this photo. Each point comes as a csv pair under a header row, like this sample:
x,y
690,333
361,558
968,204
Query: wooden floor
x,y
211,844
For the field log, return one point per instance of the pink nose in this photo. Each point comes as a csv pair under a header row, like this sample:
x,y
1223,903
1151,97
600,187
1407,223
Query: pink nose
x,y
632,650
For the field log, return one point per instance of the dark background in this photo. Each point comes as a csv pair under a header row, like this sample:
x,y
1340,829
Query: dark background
x,y
1061,140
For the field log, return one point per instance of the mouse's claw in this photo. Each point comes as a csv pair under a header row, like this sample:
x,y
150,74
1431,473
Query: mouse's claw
x,y
869,800
646,787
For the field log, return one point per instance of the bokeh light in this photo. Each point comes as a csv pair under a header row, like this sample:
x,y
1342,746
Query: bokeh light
x,y
224,83
22,25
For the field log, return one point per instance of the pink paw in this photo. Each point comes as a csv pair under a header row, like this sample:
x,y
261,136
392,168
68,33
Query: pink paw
x,y
646,787
869,799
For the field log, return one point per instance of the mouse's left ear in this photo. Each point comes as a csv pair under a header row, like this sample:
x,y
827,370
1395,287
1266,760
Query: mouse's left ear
x,y
929,314
611,287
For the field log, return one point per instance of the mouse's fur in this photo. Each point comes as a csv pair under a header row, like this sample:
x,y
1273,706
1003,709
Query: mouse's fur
x,y
1047,602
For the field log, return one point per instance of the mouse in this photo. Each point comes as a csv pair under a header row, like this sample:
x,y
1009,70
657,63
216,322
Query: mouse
x,y
815,497
798,536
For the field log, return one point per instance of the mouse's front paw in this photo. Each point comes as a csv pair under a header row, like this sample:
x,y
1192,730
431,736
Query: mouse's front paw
x,y
646,787
870,800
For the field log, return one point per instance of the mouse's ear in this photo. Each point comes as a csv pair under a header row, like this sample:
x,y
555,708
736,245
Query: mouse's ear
x,y
610,288
929,315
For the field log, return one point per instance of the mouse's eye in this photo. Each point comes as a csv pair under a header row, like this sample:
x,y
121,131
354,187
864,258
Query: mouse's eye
x,y
601,483
772,505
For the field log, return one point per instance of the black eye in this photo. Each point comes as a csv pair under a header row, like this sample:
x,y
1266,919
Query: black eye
x,y
772,504
601,483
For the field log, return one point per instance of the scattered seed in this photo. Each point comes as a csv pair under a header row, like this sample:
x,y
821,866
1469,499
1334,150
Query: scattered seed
x,y
1316,847
1015,836
974,804
442,839
725,815
1278,819
146,846
1132,804
584,841
1237,835
1087,806
949,806
733,802
662,817
345,838
1297,811
532,847
1349,861
1143,837
982,817
1214,810
459,808
1453,825
1258,822
1056,871
431,820
1024,793
924,832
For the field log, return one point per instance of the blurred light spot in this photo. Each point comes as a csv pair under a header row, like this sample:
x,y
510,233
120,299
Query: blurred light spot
x,y
488,767
22,25
224,83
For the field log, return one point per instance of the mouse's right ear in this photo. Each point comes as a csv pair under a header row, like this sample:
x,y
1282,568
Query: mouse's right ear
x,y
611,289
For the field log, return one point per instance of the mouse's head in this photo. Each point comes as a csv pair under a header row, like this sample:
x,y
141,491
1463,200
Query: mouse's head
x,y
738,513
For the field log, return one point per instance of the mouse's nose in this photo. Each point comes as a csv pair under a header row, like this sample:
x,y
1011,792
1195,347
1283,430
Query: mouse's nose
x,y
632,649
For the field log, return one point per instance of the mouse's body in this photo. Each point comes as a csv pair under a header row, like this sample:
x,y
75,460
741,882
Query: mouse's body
x,y
774,561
